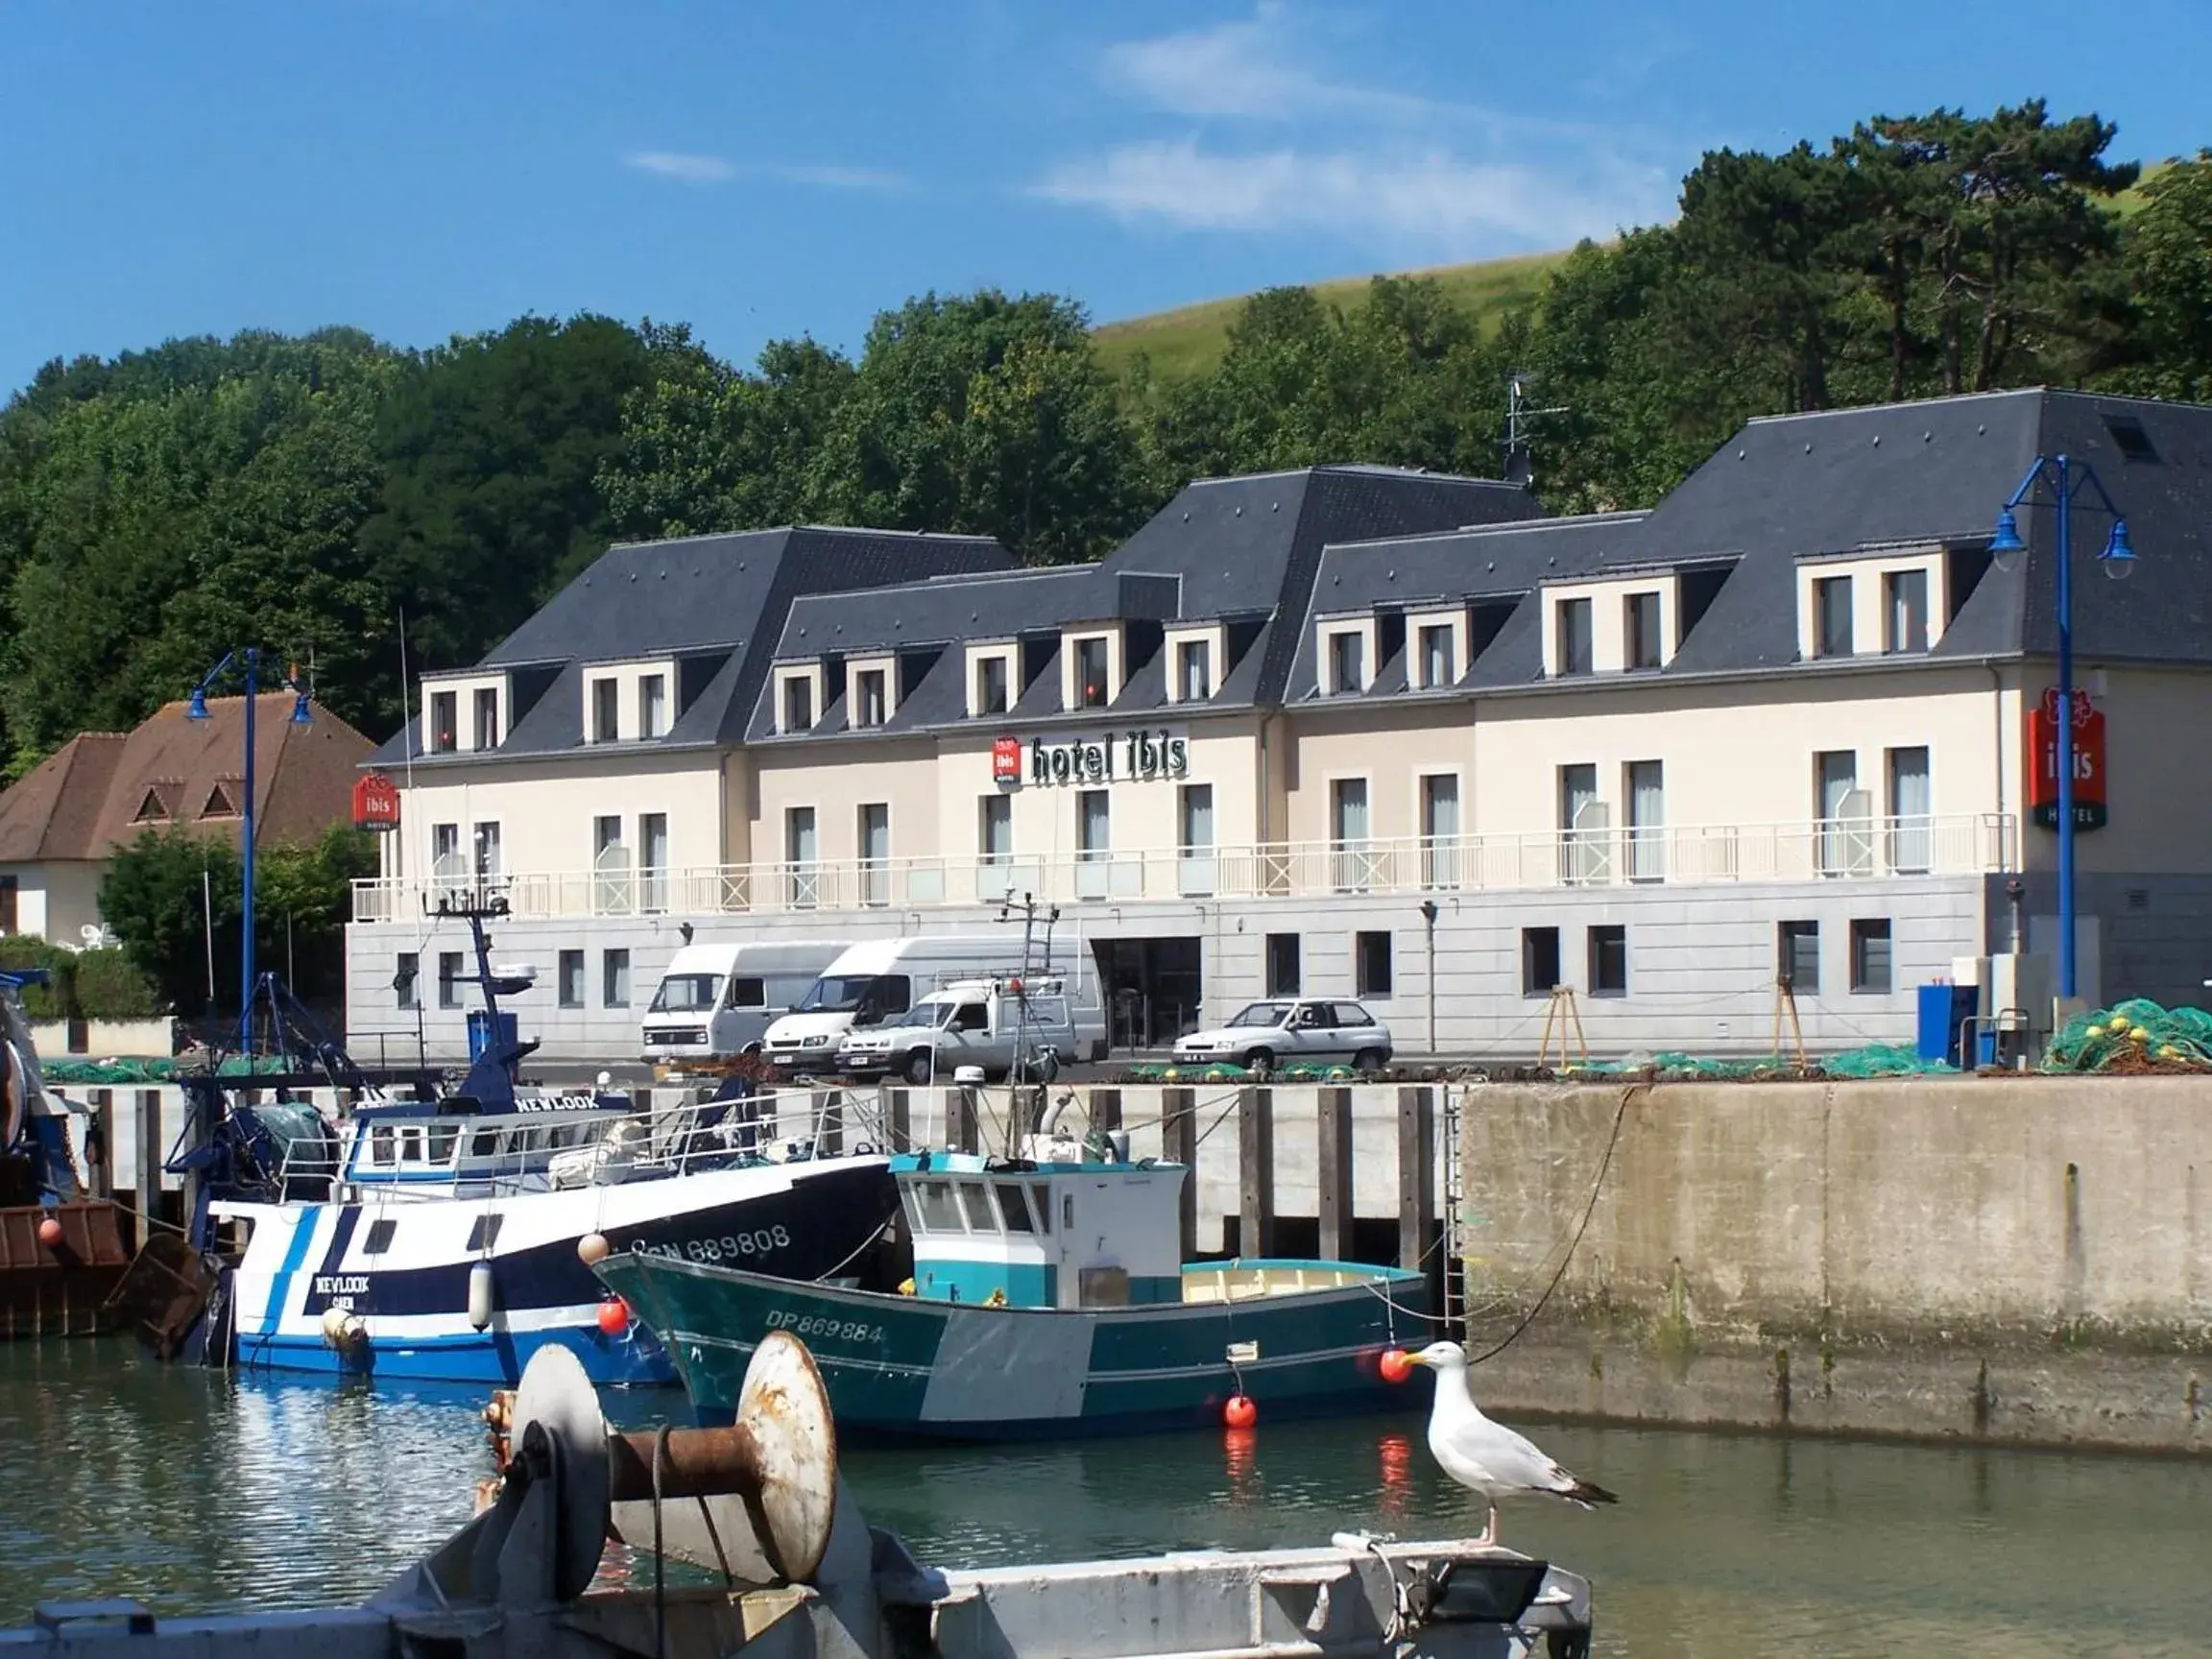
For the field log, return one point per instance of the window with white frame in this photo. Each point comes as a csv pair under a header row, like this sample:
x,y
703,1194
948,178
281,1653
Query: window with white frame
x,y
486,703
1832,631
1905,610
1440,829
1910,817
795,707
1438,654
1093,826
1642,641
1347,649
653,705
1575,642
1094,672
1349,856
606,709
443,736
871,697
991,691
995,829
1193,670
803,880
1645,788
875,837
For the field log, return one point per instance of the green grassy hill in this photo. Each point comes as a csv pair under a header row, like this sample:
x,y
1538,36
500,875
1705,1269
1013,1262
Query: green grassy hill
x,y
1189,339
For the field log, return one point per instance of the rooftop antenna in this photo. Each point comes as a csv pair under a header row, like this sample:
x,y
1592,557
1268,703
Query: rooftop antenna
x,y
1520,455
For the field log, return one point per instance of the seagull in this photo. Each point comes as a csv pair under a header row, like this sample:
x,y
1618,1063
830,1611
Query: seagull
x,y
1485,1456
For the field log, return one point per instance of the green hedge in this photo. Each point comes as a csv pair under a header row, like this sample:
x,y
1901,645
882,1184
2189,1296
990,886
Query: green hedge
x,y
83,984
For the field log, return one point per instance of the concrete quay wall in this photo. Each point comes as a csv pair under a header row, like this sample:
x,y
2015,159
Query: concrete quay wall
x,y
2022,1260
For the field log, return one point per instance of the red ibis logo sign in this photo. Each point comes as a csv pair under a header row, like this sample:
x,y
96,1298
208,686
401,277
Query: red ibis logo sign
x,y
2088,739
375,803
1006,760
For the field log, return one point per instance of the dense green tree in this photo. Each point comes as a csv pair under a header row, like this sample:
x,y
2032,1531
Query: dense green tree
x,y
2168,257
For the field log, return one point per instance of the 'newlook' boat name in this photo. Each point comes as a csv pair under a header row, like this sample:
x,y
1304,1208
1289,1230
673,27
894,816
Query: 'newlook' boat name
x,y
1122,757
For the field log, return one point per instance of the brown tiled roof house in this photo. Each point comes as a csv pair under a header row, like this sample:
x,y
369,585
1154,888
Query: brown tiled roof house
x,y
99,792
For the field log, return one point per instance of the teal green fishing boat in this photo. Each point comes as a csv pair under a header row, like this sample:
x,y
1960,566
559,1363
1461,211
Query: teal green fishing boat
x,y
1047,1302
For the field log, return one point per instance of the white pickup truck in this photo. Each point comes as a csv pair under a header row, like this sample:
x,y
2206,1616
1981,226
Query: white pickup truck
x,y
1001,1024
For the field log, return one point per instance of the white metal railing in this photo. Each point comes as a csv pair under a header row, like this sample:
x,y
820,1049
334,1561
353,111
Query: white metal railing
x,y
1834,849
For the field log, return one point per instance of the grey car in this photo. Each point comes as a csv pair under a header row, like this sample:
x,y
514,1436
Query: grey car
x,y
1292,1031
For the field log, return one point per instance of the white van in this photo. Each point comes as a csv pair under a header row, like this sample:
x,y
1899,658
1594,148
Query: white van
x,y
1009,1027
880,979
717,1001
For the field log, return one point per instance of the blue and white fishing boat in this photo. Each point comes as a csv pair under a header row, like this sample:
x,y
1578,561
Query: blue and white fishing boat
x,y
1046,1301
446,1239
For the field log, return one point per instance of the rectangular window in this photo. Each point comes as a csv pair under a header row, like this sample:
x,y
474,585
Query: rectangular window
x,y
798,704
572,979
488,851
606,833
606,710
1911,830
10,888
1573,647
1539,961
1347,662
1094,824
1905,610
1438,669
991,685
379,1237
1193,670
1646,791
1371,964
1283,964
874,835
487,702
1831,617
615,978
1349,855
445,848
1196,818
1797,956
653,705
406,979
1870,955
1583,826
1609,961
869,706
444,723
1440,829
995,829
1091,684
1845,845
1641,648
652,862
805,884
484,1232
448,978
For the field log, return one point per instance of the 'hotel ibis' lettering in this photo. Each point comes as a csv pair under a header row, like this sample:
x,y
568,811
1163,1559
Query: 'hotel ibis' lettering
x,y
1122,757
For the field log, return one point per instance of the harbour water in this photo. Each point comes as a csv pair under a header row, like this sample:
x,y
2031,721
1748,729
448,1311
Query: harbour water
x,y
192,1491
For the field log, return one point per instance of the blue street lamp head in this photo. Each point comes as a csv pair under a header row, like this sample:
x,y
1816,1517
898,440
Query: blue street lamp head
x,y
197,708
2119,556
2006,546
302,715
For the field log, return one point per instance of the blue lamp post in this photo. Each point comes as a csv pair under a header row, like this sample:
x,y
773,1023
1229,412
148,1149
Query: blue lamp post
x,y
250,661
2064,481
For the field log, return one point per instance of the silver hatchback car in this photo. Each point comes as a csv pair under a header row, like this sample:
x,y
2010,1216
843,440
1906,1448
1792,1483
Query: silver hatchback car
x,y
1292,1031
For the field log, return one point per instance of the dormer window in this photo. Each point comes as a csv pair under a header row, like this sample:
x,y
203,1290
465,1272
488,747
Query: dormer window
x,y
606,709
1193,670
1347,662
653,705
445,722
1093,684
219,804
486,705
991,685
798,698
1576,644
151,810
871,701
1905,610
1643,642
1438,666
1831,617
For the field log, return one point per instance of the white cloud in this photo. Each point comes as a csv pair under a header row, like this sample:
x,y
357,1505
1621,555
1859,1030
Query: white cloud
x,y
687,169
1248,71
691,169
1427,200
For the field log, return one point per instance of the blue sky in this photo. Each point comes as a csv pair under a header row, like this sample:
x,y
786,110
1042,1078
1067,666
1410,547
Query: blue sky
x,y
426,167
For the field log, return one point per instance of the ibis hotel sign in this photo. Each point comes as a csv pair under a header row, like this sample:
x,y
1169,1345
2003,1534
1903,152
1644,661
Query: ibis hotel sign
x,y
2088,735
1134,757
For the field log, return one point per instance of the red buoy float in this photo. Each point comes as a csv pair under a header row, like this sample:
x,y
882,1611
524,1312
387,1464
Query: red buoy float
x,y
613,1316
50,1232
1239,1412
1396,1367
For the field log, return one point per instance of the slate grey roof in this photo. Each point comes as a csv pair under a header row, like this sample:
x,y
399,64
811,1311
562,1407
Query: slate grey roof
x,y
1784,488
1242,550
717,602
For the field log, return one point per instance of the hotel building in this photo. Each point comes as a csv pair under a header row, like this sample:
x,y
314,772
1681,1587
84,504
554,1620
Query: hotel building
x,y
1360,732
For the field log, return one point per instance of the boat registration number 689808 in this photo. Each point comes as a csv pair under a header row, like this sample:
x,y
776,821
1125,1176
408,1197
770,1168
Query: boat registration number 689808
x,y
730,1246
805,1325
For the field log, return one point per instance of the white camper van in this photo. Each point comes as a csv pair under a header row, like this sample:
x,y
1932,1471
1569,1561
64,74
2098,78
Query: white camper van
x,y
882,979
716,1001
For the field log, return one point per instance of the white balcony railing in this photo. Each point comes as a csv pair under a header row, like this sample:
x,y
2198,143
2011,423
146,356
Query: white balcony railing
x,y
1842,850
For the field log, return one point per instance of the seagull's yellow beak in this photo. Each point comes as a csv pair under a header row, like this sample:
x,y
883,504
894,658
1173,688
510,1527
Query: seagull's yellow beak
x,y
1418,1358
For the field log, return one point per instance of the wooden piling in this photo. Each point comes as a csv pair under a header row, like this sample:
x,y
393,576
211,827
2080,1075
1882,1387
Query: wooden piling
x,y
150,1151
1255,1172
1106,1110
101,1173
1179,1136
898,1121
1416,1174
830,1124
962,1103
1335,1164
